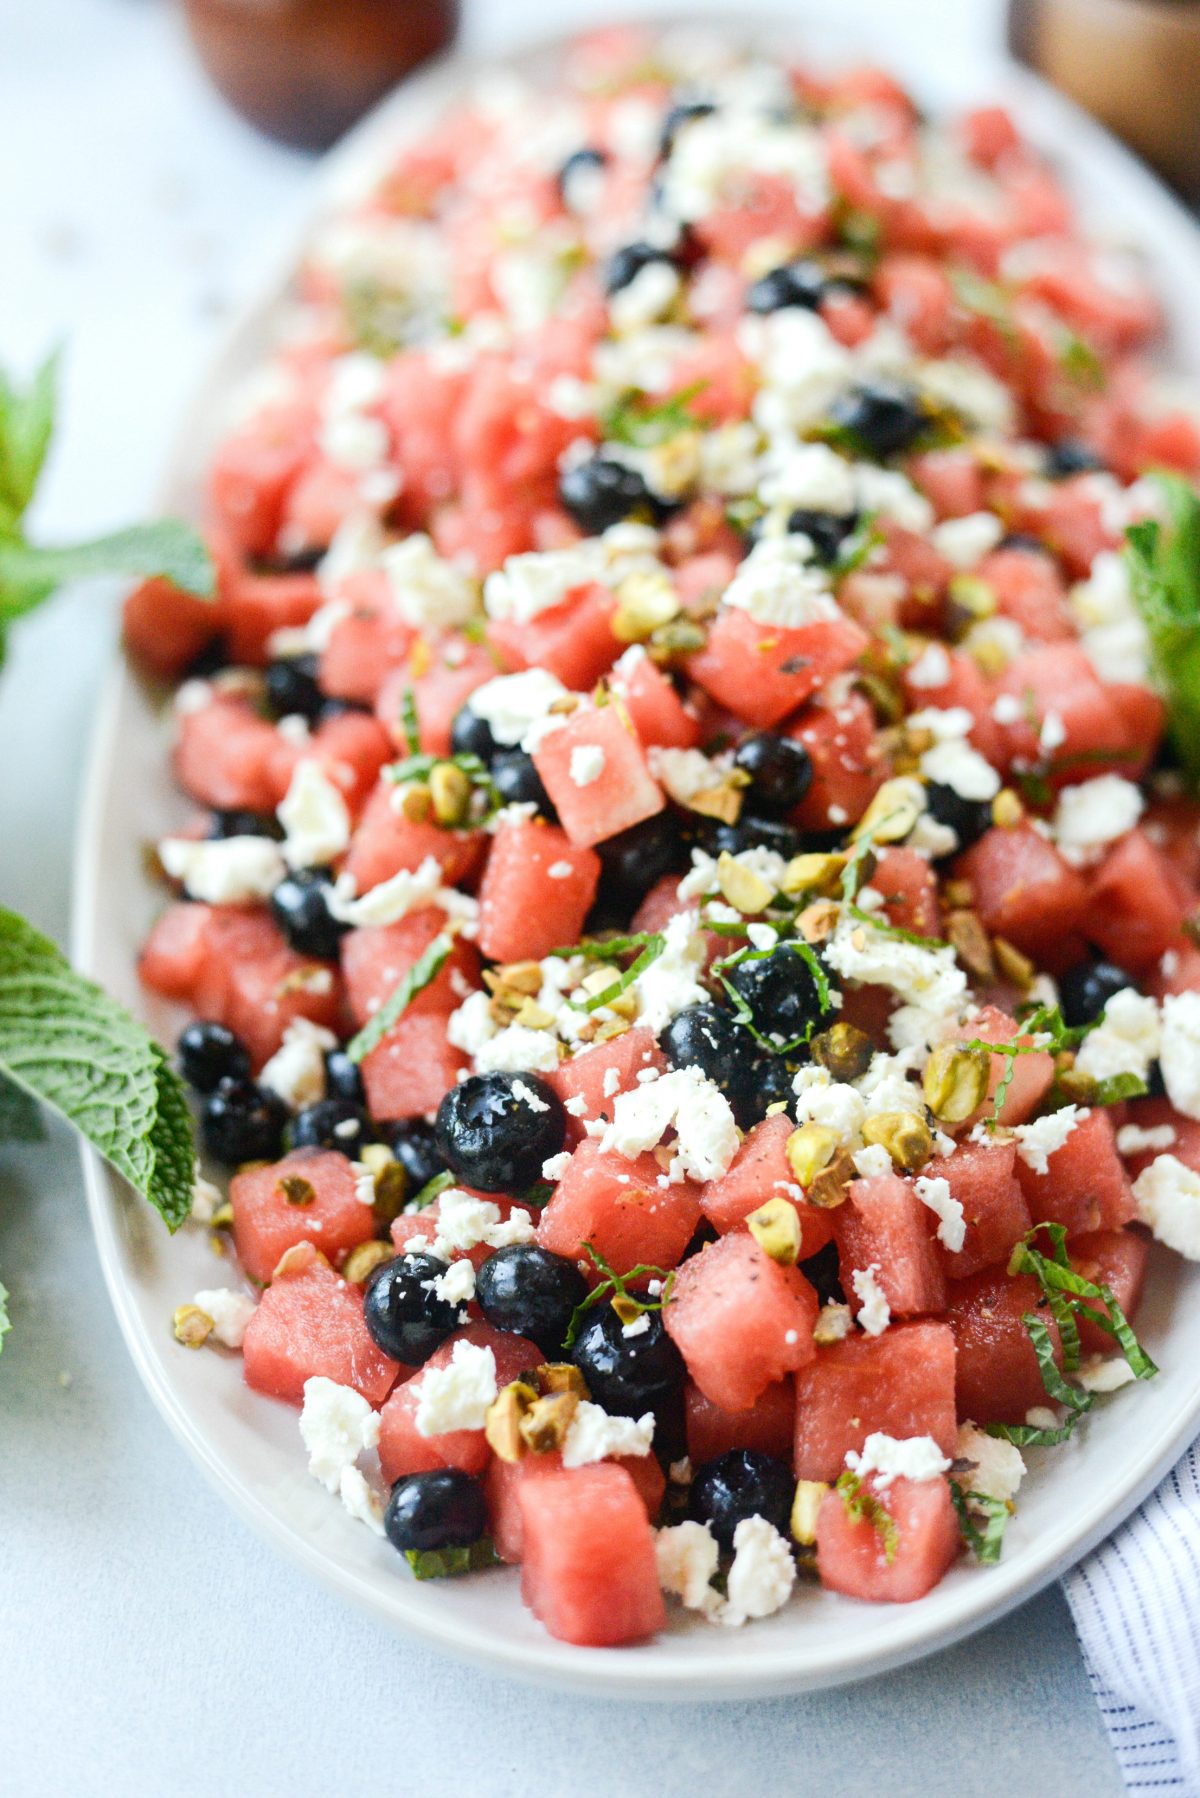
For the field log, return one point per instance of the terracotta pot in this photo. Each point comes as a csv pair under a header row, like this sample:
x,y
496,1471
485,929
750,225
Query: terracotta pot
x,y
304,70
1134,63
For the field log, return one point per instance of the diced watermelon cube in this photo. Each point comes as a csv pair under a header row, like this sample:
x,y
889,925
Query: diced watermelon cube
x,y
884,1225
227,757
598,1074
504,1480
386,841
740,1320
1030,590
402,1447
589,1570
268,990
1057,680
763,672
901,1383
767,1425
659,714
1116,1259
760,1171
573,640
982,1177
376,958
164,629
997,1379
852,1558
1024,890
536,891
351,748
174,952
838,731
594,769
618,1206
964,685
266,1221
368,643
258,605
412,1068
441,675
1030,1075
1153,1114
254,468
1086,1187
310,1323
909,888
1138,903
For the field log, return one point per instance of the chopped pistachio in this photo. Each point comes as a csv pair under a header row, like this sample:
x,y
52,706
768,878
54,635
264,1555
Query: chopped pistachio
x,y
534,1016
819,920
828,1190
626,1307
502,1424
892,814
192,1326
775,1227
973,596
391,1192
955,1081
560,1376
808,1500
362,1261
813,873
416,802
449,793
222,1217
646,601
681,636
297,1260
904,1134
810,1149
844,1050
886,696
959,894
296,1190
545,1424
376,1156
1076,1088
745,890
1007,810
522,976
972,945
1012,964
722,801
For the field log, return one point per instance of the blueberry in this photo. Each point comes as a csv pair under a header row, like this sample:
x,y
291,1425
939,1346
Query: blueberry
x,y
472,735
331,1124
750,832
1086,989
208,661
771,1084
343,1078
495,1130
742,1483
680,114
625,264
635,858
300,906
244,824
403,1313
209,1053
601,492
531,1292
627,1374
1023,540
826,531
414,1144
292,687
781,991
802,283
1156,1086
780,771
967,818
1070,455
243,1121
441,1509
580,172
519,783
823,1273
884,417
710,1038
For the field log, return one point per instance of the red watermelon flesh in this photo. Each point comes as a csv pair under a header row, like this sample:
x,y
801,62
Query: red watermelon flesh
x,y
618,1206
368,643
851,1557
504,1480
763,672
573,640
1030,1075
258,605
900,1383
441,675
266,1222
386,842
597,1075
1153,1114
536,891
760,1171
1138,903
594,769
884,1225
838,731
164,629
412,1068
229,758
402,1447
310,1323
589,1570
1085,1187
376,958
1116,1259
1024,890
740,1320
767,1425
998,1379
659,715
982,1177
909,888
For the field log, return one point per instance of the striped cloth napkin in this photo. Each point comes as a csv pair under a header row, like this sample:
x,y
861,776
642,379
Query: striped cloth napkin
x,y
1136,1604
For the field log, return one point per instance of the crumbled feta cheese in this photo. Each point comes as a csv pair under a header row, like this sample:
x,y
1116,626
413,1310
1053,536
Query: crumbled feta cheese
x,y
226,871
834,1322
576,1105
872,1161
524,1093
1042,1417
1094,814
363,1504
230,1312
645,299
294,729
928,980
639,1326
965,541
687,1557
430,593
336,1424
888,492
457,1396
934,1192
560,871
315,818
594,1435
776,585
707,1137
296,1071
1125,1042
673,980
472,1026
586,764
1180,1052
512,704
724,147
763,1573
875,1313
682,772
1133,1140
931,668
536,581
612,1083
1007,709
1168,1199
464,1220
405,891
1037,1141
831,1103
953,763
999,1467
702,878
555,1166
518,1050
1100,1375
886,1458
803,368
457,1285
206,1198
1053,733
810,476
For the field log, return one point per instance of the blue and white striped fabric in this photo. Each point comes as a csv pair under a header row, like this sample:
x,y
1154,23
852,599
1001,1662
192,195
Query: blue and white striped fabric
x,y
1136,1604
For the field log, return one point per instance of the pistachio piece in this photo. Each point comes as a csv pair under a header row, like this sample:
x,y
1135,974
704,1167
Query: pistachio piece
x,y
971,943
1076,1088
1007,810
192,1326
905,1135
809,1150
362,1261
521,976
298,1260
560,1376
681,636
828,1190
955,1081
808,1500
296,1190
376,1156
893,812
844,1050
534,1016
222,1217
745,890
722,801
646,600
449,793
416,803
545,1424
813,873
502,1424
959,895
819,920
1012,964
775,1227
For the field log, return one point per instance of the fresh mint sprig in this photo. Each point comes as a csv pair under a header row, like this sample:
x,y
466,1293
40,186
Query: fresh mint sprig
x,y
986,1543
425,969
1163,564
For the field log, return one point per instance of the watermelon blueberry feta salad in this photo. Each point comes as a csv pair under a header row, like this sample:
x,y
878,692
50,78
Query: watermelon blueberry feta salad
x,y
689,907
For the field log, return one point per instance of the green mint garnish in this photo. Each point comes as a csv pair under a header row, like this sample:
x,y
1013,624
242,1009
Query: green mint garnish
x,y
643,422
427,967
744,1012
1059,1280
862,1506
448,1563
409,721
985,1542
618,1285
652,948
1163,565
432,1189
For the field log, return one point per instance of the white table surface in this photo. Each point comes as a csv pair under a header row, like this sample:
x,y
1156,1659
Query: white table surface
x,y
148,1643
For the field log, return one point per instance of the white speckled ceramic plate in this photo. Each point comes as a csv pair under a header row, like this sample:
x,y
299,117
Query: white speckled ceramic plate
x,y
250,1447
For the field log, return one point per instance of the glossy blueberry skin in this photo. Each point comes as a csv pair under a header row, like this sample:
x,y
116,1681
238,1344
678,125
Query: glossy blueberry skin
x,y
679,115
405,1317
771,1084
519,782
343,1078
331,1124
444,1508
531,1292
635,858
1024,540
414,1144
885,417
741,1483
243,1121
601,492
780,771
576,163
300,907
209,1053
1086,989
751,831
823,1273
491,1138
472,735
781,992
826,531
709,1038
625,264
967,818
803,283
1070,455
627,1375
244,824
293,689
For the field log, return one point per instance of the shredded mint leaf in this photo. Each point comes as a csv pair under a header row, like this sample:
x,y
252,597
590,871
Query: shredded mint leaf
x,y
618,1285
643,422
410,721
65,1042
606,948
1062,1284
20,1120
1164,577
26,427
862,1506
1119,1087
448,1563
986,1543
741,1007
167,547
432,1189
426,968
895,931
653,947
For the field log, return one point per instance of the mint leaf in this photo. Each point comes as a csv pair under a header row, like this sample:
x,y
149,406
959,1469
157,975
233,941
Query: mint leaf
x,y
426,968
987,1542
20,1120
862,1506
65,1042
654,945
26,426
448,1563
643,422
167,547
1164,578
